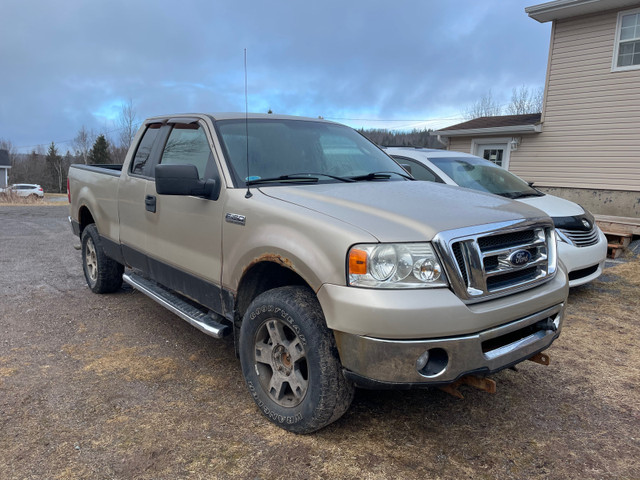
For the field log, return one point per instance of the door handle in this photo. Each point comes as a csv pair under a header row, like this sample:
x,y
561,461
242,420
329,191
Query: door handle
x,y
150,203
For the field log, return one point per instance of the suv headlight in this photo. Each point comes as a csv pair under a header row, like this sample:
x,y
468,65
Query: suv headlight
x,y
395,265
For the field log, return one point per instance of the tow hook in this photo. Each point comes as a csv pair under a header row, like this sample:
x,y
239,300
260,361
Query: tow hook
x,y
541,358
481,383
546,325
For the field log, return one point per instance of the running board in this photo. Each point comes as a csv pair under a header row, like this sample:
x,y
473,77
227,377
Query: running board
x,y
204,321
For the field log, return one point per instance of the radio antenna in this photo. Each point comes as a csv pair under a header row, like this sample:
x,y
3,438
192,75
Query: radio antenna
x,y
246,123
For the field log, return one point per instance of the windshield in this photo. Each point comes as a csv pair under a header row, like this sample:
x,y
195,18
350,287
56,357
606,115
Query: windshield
x,y
479,174
294,148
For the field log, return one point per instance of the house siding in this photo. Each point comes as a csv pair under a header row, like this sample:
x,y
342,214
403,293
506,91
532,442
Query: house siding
x,y
591,121
460,144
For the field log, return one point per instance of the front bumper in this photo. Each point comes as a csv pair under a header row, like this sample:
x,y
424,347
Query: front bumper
x,y
583,264
376,362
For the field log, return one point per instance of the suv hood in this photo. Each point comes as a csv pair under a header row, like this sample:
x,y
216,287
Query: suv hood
x,y
401,211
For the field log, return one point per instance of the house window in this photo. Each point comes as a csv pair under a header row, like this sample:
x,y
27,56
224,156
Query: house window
x,y
627,48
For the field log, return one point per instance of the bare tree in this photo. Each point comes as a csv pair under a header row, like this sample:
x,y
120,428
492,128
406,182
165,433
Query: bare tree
x,y
127,124
8,146
82,144
487,106
525,101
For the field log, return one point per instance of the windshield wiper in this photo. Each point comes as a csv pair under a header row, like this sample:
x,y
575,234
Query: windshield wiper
x,y
379,176
283,178
297,177
335,177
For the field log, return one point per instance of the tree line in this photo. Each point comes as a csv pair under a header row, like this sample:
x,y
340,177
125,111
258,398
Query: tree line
x,y
414,138
49,167
523,101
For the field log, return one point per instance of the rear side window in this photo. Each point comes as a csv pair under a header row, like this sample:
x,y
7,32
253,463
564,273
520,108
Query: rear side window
x,y
144,149
419,171
188,144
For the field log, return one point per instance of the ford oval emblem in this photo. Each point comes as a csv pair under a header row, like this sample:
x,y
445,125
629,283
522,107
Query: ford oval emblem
x,y
519,258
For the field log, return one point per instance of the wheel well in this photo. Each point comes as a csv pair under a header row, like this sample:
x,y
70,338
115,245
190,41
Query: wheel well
x,y
261,277
84,218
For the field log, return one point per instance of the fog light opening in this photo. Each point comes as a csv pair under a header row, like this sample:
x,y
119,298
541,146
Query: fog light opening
x,y
432,362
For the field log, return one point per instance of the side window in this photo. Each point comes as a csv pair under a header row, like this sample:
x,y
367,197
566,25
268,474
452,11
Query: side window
x,y
626,55
144,149
188,144
419,171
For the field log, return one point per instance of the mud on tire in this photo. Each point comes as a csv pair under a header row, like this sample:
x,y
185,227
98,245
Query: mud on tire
x,y
103,274
290,361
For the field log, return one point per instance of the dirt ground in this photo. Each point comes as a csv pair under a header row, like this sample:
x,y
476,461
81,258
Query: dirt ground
x,y
116,387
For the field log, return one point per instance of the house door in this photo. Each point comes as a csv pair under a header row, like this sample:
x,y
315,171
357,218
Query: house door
x,y
496,153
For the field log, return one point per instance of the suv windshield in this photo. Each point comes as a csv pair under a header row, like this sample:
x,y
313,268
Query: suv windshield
x,y
293,149
479,174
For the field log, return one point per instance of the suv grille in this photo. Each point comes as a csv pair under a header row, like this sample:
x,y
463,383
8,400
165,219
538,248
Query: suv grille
x,y
495,262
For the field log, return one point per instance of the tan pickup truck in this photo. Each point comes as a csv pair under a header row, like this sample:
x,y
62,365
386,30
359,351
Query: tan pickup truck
x,y
329,264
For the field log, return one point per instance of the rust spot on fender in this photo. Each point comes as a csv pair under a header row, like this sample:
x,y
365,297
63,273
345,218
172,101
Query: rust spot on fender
x,y
272,257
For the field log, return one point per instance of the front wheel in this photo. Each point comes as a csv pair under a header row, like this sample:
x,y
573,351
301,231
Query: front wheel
x,y
290,361
103,274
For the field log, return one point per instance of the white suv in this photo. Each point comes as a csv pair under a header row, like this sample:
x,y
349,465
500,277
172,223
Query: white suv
x,y
582,247
26,190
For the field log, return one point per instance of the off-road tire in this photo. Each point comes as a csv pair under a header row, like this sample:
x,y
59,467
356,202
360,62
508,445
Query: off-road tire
x,y
103,274
290,361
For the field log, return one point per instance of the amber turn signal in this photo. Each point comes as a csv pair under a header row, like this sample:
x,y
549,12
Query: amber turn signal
x,y
357,262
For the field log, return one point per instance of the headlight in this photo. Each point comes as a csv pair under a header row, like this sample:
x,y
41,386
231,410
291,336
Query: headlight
x,y
395,265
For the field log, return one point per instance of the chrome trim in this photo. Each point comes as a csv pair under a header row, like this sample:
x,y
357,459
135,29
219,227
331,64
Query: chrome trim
x,y
206,323
482,264
397,361
579,238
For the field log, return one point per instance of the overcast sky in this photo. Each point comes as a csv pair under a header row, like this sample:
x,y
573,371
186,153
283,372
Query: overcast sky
x,y
365,63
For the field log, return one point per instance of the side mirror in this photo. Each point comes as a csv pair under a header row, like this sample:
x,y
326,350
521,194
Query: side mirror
x,y
184,180
406,167
530,184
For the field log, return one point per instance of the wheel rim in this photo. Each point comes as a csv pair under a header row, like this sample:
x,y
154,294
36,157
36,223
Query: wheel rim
x,y
281,363
91,261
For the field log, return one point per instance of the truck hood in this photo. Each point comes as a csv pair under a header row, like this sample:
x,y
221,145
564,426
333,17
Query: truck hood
x,y
554,206
399,211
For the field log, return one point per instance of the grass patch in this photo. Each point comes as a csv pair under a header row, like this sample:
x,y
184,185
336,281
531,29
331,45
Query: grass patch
x,y
50,199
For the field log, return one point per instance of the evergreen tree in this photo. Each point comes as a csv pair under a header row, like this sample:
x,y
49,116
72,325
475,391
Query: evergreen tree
x,y
54,163
100,151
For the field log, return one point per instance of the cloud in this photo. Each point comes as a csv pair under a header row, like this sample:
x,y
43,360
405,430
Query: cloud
x,y
72,63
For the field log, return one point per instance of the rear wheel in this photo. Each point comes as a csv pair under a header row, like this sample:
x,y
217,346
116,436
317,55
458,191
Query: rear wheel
x,y
290,361
103,274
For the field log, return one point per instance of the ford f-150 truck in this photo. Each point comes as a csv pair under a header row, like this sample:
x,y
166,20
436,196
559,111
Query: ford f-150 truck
x,y
329,264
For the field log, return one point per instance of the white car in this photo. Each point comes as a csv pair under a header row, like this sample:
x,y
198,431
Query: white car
x,y
26,190
582,247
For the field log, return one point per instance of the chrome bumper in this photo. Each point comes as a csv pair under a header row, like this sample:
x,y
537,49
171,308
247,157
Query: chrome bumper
x,y
441,361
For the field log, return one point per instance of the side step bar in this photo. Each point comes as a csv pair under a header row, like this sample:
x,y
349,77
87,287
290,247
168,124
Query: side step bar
x,y
204,321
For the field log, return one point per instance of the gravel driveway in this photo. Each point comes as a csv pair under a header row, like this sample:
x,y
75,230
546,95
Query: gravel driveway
x,y
115,387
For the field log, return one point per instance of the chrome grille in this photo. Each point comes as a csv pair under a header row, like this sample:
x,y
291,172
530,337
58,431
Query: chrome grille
x,y
481,262
581,238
